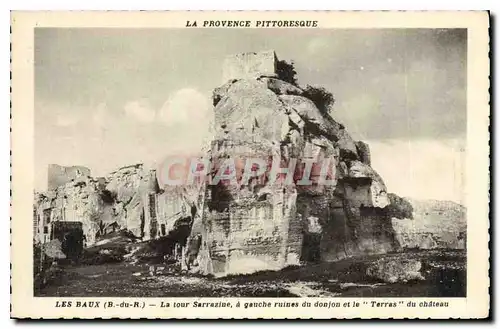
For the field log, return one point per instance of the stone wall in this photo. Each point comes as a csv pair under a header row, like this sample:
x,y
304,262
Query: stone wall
x,y
249,65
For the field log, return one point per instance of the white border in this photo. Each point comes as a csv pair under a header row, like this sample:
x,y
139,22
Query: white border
x,y
187,4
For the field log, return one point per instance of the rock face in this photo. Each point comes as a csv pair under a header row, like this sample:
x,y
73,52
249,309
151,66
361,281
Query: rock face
x,y
134,190
266,226
59,175
73,202
127,199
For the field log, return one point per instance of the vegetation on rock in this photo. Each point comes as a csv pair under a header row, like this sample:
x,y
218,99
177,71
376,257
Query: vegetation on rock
x,y
286,72
400,207
322,98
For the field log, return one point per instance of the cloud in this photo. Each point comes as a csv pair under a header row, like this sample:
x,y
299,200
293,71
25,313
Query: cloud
x,y
184,106
101,116
66,120
140,110
421,168
317,45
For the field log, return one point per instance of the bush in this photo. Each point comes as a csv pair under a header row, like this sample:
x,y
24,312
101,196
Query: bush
x,y
286,72
399,207
322,98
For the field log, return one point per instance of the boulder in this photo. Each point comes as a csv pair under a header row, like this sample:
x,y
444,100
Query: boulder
x,y
249,111
395,270
221,91
131,187
363,152
358,174
280,87
53,249
318,123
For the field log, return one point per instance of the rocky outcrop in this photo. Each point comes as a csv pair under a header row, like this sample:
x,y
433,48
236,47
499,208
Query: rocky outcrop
x,y
78,201
60,175
126,199
133,188
268,226
434,224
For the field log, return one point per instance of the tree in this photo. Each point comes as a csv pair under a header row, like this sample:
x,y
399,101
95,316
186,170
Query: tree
x,y
322,98
286,72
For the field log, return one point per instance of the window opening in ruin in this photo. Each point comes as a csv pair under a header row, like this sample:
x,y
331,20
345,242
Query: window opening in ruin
x,y
35,221
142,223
45,230
311,248
152,207
152,215
163,230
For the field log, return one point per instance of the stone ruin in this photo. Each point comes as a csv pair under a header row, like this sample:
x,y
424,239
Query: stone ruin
x,y
249,65
60,175
225,229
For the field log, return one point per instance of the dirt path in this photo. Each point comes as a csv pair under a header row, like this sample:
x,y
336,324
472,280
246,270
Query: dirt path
x,y
445,276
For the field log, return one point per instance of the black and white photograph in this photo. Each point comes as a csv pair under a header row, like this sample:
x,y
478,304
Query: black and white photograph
x,y
115,108
263,158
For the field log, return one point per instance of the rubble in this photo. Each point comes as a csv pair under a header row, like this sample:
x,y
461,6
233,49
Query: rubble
x,y
395,270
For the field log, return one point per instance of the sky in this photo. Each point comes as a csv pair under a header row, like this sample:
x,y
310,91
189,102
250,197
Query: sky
x,y
106,98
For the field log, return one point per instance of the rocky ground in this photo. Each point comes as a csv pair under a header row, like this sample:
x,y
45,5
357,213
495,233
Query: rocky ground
x,y
442,273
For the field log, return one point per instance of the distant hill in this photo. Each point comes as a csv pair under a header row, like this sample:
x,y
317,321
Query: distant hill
x,y
435,224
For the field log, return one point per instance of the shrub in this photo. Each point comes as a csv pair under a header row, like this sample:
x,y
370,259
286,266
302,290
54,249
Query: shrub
x,y
399,207
286,72
322,98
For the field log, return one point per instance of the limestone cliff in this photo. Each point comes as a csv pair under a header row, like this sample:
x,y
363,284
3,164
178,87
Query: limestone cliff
x,y
228,228
126,199
131,188
264,226
78,201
